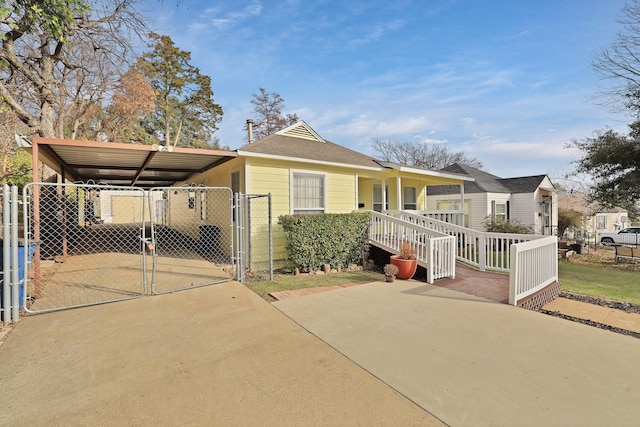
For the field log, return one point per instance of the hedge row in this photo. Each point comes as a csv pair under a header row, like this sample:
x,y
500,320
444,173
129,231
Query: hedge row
x,y
334,239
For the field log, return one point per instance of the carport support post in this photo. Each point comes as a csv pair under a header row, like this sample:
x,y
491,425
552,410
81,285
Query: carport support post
x,y
64,218
35,158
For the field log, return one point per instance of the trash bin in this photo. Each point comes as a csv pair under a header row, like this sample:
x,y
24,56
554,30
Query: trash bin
x,y
21,253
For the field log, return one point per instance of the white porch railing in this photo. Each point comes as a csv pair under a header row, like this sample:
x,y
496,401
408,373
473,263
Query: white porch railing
x,y
531,260
450,216
534,265
434,250
486,251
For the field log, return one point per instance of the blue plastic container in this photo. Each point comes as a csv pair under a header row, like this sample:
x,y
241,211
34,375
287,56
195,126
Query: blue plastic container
x,y
21,252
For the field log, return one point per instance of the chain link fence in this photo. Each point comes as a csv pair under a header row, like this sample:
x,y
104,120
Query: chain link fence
x,y
95,244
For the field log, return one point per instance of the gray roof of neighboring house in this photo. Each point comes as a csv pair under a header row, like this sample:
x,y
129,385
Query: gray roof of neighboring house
x,y
486,182
307,145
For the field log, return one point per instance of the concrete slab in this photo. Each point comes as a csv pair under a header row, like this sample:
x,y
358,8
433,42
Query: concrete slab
x,y
216,355
596,313
471,361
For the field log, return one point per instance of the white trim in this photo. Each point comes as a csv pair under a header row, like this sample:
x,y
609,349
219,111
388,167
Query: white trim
x,y
303,124
300,160
292,172
409,169
247,182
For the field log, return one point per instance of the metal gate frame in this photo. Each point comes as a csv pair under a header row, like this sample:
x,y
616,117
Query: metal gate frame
x,y
214,242
61,215
58,195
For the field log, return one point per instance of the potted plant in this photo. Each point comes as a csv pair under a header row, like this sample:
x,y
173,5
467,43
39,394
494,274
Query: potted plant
x,y
390,272
405,261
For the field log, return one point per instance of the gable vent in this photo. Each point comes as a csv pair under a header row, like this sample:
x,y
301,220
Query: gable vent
x,y
301,130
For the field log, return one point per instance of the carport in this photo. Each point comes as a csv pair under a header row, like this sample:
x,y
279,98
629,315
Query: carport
x,y
123,221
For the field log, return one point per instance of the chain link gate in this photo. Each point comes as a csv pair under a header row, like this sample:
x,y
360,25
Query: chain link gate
x,y
89,241
191,237
97,244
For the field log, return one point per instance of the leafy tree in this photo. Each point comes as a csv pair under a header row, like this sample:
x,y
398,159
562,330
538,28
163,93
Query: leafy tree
x,y
568,218
16,163
421,155
613,160
186,114
61,58
269,118
134,98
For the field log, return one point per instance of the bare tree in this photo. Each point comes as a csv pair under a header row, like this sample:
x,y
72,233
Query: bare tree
x,y
421,155
620,62
54,74
268,110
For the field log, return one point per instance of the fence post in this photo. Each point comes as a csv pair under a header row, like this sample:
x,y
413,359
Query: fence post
x,y
15,277
6,256
514,272
482,253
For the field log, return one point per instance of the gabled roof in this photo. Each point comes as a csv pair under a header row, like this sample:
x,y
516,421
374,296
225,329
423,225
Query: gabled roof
x,y
299,141
488,183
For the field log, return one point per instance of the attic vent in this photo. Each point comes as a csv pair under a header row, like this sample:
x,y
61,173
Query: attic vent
x,y
301,130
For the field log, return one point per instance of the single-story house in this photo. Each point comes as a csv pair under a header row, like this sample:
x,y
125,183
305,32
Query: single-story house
x,y
301,171
530,200
594,220
304,173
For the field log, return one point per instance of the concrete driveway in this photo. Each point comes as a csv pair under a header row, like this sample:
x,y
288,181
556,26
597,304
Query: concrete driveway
x,y
217,355
472,362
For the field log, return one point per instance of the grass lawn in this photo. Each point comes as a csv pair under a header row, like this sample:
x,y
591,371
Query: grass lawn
x,y
287,282
597,274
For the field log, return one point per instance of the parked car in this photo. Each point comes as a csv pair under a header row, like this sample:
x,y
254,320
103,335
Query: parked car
x,y
626,236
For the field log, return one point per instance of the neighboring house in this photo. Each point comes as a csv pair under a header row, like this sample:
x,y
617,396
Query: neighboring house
x,y
530,200
594,220
304,173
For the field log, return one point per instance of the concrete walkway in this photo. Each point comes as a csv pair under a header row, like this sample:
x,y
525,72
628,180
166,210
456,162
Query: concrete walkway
x,y
212,356
471,361
605,315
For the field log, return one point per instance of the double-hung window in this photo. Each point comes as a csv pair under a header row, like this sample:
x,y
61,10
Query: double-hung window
x,y
377,197
409,199
308,193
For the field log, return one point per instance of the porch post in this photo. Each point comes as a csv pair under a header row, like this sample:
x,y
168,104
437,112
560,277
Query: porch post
x,y
398,193
383,184
461,220
357,191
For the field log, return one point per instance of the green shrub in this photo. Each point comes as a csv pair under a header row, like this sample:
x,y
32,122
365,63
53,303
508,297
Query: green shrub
x,y
505,226
334,239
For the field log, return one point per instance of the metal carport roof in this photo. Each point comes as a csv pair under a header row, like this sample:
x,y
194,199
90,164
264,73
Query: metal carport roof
x,y
123,164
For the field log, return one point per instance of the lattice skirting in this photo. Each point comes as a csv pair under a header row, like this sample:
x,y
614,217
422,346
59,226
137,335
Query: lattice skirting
x,y
542,297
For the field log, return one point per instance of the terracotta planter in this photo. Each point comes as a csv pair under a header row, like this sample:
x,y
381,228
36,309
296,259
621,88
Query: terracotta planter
x,y
406,267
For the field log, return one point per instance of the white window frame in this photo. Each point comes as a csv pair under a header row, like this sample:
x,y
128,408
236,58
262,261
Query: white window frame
x,y
375,202
302,211
404,198
601,222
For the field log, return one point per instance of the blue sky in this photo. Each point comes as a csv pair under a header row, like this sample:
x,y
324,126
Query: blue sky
x,y
508,82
